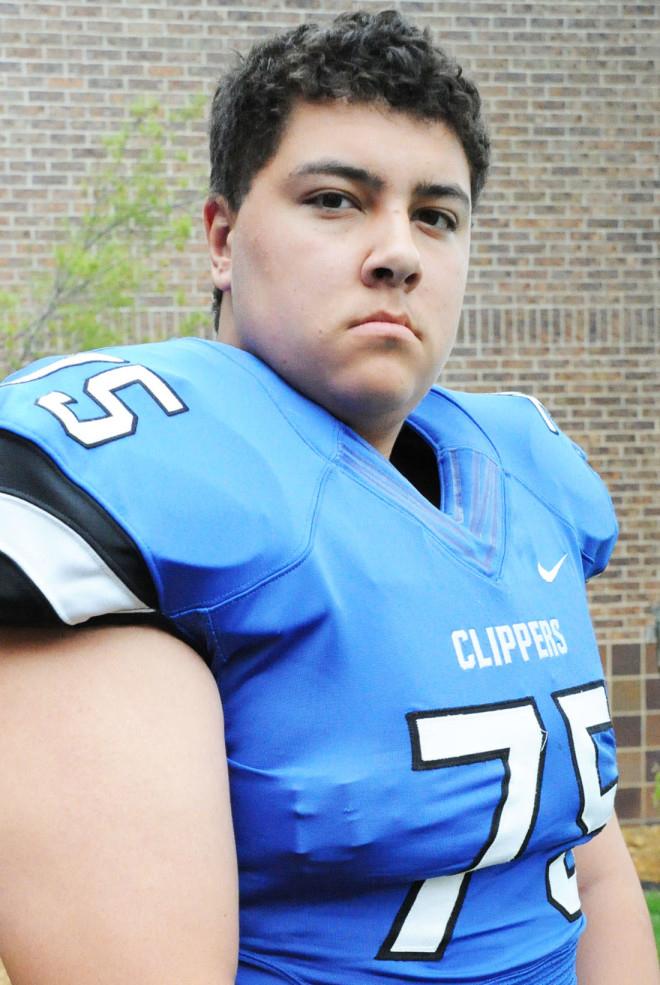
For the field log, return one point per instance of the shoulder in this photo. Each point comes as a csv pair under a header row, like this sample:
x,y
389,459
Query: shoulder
x,y
96,398
162,404
518,432
126,460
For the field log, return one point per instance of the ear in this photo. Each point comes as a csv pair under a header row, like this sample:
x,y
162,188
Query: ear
x,y
218,222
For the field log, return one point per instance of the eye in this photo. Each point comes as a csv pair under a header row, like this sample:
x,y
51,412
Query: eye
x,y
437,219
331,201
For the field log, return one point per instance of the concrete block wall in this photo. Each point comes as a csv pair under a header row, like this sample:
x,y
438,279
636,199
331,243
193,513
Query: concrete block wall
x,y
563,295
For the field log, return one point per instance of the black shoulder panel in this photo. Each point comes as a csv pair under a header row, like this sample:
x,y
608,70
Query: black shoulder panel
x,y
21,602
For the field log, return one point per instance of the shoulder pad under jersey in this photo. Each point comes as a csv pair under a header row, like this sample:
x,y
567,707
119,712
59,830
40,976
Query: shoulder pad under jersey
x,y
155,476
531,448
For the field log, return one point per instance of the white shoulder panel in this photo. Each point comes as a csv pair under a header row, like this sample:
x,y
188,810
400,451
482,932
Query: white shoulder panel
x,y
70,574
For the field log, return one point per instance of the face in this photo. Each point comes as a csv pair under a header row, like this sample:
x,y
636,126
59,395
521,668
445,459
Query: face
x,y
345,266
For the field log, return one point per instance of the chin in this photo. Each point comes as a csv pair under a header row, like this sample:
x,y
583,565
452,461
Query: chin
x,y
378,402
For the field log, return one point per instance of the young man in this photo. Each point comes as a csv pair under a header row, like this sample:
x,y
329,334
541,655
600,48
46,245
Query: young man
x,y
386,580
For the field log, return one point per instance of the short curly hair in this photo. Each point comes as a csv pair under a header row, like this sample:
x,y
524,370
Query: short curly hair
x,y
358,57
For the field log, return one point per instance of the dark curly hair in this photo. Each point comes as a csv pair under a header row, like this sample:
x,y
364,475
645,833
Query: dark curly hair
x,y
359,57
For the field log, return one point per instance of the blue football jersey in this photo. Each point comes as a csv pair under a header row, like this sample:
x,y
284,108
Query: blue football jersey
x,y
417,726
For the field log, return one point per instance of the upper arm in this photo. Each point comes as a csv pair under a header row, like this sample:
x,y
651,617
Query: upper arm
x,y
116,841
618,943
603,858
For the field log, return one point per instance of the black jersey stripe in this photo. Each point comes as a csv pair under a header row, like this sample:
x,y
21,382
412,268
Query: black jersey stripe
x,y
22,605
27,473
74,578
21,602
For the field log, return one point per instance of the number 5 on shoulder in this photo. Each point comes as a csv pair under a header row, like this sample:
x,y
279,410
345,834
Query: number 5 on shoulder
x,y
117,420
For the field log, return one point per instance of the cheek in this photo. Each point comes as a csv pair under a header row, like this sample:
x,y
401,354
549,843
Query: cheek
x,y
444,287
457,268
255,260
449,288
254,284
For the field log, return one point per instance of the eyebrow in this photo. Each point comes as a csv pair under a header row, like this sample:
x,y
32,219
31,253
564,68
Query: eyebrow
x,y
360,175
424,190
338,169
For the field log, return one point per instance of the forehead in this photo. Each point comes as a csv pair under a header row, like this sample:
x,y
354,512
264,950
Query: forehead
x,y
390,144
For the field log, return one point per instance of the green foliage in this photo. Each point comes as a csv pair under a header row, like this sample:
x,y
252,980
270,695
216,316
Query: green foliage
x,y
134,216
653,903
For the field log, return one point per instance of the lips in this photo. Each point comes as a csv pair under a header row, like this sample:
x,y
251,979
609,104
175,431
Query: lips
x,y
385,318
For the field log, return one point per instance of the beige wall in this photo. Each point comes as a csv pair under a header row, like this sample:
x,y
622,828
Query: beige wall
x,y
563,296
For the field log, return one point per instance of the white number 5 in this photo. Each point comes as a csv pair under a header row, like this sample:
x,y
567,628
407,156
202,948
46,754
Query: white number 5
x,y
118,421
585,713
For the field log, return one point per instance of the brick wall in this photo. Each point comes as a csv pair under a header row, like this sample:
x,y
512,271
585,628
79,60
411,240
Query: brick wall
x,y
562,300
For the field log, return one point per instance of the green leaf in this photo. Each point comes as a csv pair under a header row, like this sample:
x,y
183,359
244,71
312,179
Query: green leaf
x,y
132,215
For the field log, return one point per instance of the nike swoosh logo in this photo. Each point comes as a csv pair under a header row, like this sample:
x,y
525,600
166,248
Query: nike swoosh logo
x,y
550,575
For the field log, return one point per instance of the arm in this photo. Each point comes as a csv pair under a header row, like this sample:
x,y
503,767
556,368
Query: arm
x,y
116,840
617,945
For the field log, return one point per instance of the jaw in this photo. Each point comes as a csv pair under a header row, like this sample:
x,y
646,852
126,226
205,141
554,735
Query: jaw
x,y
226,327
375,401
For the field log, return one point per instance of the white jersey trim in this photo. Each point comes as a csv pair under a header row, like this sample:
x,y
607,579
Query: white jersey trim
x,y
67,571
78,360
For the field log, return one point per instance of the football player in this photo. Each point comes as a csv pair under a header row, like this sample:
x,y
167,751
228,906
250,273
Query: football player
x,y
286,623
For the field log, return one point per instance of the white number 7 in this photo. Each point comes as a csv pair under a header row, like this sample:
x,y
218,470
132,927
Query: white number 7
x,y
510,732
514,734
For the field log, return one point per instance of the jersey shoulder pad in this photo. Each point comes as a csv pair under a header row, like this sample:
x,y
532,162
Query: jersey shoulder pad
x,y
192,454
534,451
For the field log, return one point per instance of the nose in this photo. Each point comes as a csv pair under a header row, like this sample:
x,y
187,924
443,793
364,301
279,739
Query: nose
x,y
394,259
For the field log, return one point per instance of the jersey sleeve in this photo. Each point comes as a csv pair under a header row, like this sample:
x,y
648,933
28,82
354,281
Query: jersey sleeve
x,y
141,479
63,558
